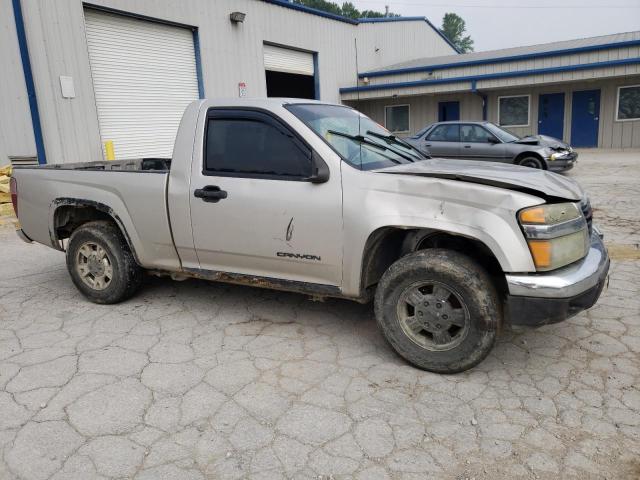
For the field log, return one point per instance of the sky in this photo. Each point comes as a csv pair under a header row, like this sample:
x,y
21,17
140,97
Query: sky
x,y
495,24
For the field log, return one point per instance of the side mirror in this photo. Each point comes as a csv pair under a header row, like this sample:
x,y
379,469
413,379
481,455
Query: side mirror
x,y
319,170
493,140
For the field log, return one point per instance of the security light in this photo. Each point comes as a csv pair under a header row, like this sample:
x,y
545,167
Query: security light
x,y
237,17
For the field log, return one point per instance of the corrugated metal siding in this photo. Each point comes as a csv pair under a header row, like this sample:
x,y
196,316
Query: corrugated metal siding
x,y
286,60
16,132
508,52
611,134
230,54
144,76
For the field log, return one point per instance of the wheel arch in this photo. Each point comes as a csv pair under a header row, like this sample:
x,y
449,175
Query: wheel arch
x,y
388,244
528,153
68,214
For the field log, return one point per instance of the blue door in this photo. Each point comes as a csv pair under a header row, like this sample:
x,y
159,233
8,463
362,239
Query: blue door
x,y
551,115
585,118
448,111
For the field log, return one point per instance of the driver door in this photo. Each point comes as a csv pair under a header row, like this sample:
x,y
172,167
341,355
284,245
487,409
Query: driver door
x,y
261,216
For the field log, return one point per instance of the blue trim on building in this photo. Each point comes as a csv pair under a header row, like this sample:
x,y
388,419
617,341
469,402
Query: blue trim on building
x,y
312,11
510,58
316,76
196,49
28,80
491,76
410,19
340,18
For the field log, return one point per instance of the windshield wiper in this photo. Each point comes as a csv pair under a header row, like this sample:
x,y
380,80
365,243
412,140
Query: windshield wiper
x,y
361,139
397,141
368,141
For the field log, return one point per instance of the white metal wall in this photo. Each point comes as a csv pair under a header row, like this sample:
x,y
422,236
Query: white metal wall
x,y
16,132
230,54
144,76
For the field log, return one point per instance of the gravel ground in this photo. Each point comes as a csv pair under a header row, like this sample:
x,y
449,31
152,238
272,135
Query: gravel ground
x,y
199,380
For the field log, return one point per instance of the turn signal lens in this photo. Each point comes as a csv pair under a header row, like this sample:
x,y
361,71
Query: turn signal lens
x,y
532,215
550,214
541,253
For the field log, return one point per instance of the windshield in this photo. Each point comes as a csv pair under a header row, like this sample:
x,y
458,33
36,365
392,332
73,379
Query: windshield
x,y
504,135
360,141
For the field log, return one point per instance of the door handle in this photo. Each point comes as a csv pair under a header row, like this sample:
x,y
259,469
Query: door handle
x,y
210,193
467,146
427,144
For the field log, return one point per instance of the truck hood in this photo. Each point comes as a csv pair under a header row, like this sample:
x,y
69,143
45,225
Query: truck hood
x,y
513,177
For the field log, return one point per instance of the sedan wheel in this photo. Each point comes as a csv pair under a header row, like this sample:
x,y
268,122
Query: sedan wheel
x,y
531,162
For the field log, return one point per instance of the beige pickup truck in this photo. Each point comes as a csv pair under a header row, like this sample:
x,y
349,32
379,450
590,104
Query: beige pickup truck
x,y
319,199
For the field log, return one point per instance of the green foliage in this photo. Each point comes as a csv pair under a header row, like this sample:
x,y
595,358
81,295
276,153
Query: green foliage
x,y
454,28
347,9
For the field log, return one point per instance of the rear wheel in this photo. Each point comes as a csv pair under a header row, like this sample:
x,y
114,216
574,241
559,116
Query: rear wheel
x,y
439,310
532,162
101,264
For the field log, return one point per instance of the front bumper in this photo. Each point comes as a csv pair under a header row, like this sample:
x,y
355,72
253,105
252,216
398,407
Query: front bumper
x,y
542,298
563,164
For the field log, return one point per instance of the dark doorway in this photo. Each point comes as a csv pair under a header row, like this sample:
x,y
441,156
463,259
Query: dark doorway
x,y
280,84
448,111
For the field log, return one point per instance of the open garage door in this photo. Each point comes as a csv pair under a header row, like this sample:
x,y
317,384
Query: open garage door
x,y
144,75
289,73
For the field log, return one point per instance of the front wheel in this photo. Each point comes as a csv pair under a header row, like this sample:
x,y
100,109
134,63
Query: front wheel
x,y
439,310
531,162
101,264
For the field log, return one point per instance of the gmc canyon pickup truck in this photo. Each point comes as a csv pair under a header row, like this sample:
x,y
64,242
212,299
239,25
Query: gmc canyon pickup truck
x,y
317,198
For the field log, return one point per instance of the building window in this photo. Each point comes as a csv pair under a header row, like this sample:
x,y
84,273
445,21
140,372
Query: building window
x,y
628,103
396,118
513,111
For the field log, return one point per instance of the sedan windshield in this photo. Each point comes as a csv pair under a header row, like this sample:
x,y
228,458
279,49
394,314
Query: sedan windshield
x,y
360,141
504,135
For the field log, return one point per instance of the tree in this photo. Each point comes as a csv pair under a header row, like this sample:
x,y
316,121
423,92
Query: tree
x,y
454,27
347,9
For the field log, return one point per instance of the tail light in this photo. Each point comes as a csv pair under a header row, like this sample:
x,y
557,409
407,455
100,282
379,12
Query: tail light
x,y
13,188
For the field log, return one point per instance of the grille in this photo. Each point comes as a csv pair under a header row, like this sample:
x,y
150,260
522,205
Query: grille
x,y
585,206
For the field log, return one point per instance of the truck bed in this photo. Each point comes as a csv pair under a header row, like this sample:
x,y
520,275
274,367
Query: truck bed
x,y
132,192
138,164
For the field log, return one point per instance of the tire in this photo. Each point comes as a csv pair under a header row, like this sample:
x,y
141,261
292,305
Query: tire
x,y
532,162
101,264
472,310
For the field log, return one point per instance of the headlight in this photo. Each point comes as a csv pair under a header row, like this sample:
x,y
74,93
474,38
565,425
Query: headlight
x,y
558,155
557,234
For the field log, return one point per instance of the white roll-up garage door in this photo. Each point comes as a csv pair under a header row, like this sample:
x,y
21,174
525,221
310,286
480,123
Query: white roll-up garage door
x,y
144,76
286,60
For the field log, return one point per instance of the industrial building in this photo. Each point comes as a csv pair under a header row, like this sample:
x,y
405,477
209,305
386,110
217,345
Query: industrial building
x,y
84,74
110,78
584,91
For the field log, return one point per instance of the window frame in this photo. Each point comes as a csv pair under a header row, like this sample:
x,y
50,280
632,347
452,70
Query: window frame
x,y
528,95
258,114
618,104
408,117
429,133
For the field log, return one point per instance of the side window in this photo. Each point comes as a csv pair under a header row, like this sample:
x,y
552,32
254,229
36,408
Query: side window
x,y
474,133
445,133
254,147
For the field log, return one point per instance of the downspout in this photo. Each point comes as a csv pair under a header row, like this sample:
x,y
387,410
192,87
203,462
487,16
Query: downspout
x,y
28,80
483,96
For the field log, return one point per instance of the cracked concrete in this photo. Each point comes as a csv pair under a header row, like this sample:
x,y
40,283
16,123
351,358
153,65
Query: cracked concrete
x,y
198,380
